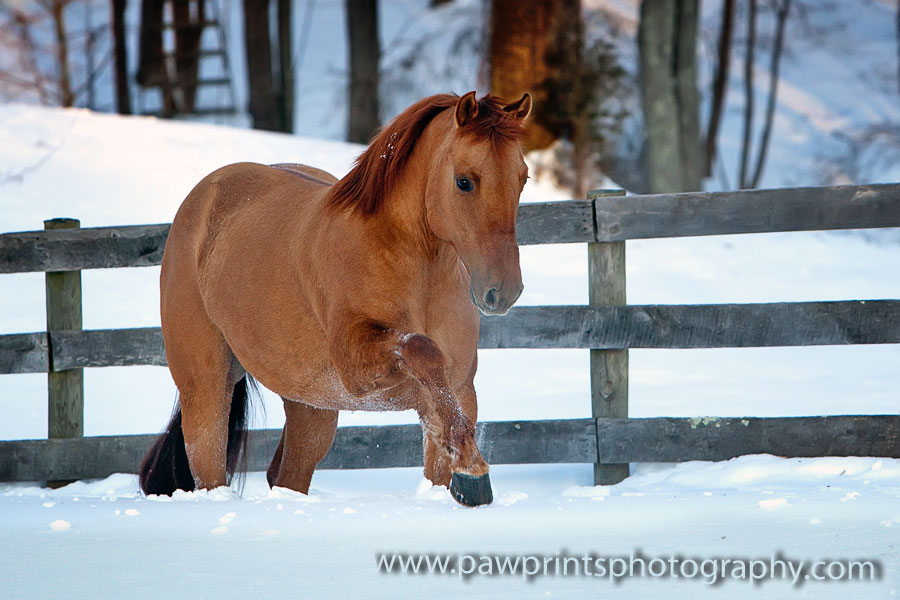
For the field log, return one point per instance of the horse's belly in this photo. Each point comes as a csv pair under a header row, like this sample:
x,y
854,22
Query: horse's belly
x,y
326,391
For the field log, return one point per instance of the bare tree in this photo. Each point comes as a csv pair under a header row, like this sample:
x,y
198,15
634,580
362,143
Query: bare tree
x,y
174,73
365,52
27,76
667,35
57,10
720,84
745,179
567,95
522,37
686,93
42,58
123,98
258,46
285,66
271,85
781,16
748,94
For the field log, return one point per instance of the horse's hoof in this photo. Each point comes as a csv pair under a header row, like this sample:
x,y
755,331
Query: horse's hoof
x,y
471,490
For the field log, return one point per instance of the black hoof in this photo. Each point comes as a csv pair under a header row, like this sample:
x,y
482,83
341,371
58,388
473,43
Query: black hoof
x,y
471,490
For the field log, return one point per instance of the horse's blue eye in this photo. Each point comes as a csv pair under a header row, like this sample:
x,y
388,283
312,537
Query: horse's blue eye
x,y
464,184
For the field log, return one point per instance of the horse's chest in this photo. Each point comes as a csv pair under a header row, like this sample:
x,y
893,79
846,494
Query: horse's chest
x,y
453,326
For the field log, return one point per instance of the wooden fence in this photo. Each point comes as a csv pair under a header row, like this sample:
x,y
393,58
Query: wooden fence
x,y
607,326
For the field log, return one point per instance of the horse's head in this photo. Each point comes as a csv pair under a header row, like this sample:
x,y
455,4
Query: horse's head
x,y
472,195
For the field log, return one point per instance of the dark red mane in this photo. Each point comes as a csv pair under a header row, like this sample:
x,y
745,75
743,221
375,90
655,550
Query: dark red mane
x,y
365,188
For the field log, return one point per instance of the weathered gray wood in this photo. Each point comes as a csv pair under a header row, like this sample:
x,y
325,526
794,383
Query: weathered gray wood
x,y
507,442
143,245
748,211
65,389
555,222
609,368
24,353
89,248
695,326
375,447
546,441
631,217
709,438
108,348
569,441
603,327
500,442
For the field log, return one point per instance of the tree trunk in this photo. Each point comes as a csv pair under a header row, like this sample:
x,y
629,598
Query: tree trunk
x,y
285,67
151,70
64,81
748,95
522,34
663,160
782,16
29,55
363,118
257,40
123,98
188,33
685,75
151,62
720,84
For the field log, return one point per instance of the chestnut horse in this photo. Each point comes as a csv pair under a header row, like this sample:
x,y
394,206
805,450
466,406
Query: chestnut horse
x,y
358,294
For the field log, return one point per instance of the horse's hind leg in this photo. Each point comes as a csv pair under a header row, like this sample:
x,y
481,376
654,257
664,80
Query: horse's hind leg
x,y
307,436
205,372
205,407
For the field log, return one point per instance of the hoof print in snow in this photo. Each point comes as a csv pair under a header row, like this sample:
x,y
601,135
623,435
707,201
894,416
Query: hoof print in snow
x,y
471,490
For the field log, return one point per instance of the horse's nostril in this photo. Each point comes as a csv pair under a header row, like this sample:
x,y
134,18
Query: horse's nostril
x,y
490,298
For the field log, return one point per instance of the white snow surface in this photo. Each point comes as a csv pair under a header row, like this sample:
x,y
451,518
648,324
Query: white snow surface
x,y
102,539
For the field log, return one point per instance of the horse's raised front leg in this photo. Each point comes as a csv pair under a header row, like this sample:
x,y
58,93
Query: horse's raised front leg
x,y
437,459
369,357
307,436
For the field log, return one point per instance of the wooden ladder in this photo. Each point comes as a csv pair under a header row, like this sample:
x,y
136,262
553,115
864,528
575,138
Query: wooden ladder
x,y
188,50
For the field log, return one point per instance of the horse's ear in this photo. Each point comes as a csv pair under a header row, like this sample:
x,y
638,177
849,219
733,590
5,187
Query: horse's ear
x,y
466,109
521,108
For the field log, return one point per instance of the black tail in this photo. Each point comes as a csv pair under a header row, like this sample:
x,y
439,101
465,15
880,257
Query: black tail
x,y
165,467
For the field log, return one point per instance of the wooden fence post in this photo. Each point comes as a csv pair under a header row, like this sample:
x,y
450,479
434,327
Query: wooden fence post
x,y
65,389
609,368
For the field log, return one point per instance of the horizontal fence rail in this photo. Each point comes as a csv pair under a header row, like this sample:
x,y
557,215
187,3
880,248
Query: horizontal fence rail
x,y
501,442
605,219
747,211
604,327
709,438
77,249
608,327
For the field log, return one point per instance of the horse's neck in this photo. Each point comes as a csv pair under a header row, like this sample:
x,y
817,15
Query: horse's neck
x,y
399,230
404,208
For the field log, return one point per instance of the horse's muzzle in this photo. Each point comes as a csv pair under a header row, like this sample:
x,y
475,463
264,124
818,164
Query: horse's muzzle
x,y
496,301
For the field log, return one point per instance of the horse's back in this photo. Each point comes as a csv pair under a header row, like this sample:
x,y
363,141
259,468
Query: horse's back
x,y
311,173
246,201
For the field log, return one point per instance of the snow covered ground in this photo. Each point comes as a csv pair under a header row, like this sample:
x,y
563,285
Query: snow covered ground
x,y
72,542
102,540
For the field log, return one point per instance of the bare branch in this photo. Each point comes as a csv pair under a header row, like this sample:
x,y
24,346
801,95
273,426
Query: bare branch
x,y
748,94
719,84
782,16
